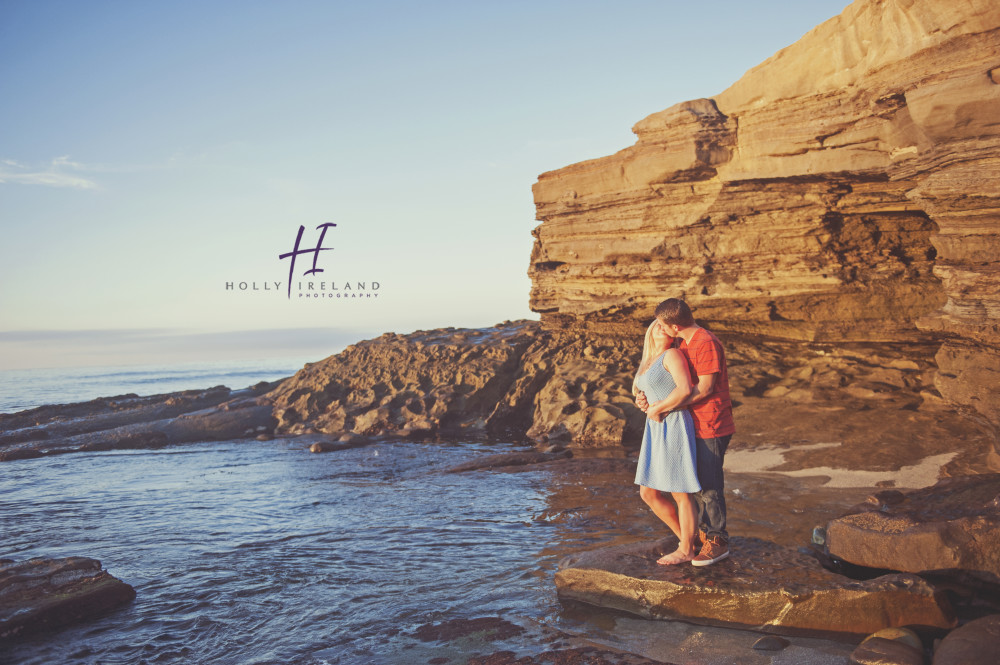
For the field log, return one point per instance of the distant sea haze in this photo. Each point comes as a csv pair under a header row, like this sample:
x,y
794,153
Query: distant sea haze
x,y
27,388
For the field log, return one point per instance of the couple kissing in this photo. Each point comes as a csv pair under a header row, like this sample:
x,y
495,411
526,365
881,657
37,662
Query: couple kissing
x,y
682,385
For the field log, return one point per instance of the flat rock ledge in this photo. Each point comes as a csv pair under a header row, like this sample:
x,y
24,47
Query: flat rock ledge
x,y
762,586
45,594
952,526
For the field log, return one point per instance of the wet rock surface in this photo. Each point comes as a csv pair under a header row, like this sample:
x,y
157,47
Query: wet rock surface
x,y
489,628
507,460
577,656
46,594
762,586
952,526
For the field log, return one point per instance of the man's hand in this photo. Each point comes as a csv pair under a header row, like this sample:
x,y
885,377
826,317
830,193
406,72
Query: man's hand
x,y
656,413
641,402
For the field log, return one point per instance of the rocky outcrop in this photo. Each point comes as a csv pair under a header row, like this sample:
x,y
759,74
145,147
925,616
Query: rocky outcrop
x,y
443,381
762,586
509,381
573,387
45,594
952,527
848,188
130,422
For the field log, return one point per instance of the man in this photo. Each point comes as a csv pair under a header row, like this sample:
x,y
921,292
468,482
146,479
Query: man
x,y
712,412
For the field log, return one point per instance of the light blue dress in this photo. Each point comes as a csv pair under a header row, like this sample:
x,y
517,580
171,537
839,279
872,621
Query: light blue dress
x,y
667,456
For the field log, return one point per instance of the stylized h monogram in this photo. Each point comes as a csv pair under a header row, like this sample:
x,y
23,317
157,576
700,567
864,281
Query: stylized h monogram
x,y
296,251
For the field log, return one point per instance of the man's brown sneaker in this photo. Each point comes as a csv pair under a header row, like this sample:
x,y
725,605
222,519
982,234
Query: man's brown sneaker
x,y
715,549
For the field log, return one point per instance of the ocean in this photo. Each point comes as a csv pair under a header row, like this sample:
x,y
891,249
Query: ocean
x,y
27,388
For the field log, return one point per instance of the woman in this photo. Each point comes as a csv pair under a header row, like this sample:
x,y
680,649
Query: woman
x,y
667,456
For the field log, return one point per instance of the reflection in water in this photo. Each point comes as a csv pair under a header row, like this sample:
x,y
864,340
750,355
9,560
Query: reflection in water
x,y
262,553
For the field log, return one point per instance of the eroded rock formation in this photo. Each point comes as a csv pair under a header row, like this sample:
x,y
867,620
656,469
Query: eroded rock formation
x,y
509,381
846,189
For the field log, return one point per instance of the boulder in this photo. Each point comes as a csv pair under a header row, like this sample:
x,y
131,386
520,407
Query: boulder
x,y
44,594
881,651
975,643
343,443
762,586
770,643
952,526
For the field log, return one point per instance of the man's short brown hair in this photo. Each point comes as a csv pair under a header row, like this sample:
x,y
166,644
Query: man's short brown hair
x,y
675,311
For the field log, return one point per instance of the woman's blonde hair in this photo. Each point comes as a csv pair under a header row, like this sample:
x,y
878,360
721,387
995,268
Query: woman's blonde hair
x,y
647,351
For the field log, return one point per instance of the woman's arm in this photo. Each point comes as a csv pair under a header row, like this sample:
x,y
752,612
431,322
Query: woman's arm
x,y
674,363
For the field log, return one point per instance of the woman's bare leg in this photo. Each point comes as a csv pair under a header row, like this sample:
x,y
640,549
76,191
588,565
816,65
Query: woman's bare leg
x,y
662,507
687,516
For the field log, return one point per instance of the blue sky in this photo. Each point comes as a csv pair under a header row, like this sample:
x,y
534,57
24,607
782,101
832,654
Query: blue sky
x,y
151,152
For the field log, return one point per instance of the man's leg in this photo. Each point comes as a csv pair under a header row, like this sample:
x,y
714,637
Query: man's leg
x,y
712,499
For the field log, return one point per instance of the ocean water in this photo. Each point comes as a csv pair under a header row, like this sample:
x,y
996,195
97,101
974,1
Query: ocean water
x,y
27,388
264,553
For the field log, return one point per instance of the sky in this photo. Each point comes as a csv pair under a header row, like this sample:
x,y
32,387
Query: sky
x,y
158,157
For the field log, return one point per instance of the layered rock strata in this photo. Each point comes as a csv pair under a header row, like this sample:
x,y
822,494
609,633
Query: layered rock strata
x,y
848,188
762,586
45,594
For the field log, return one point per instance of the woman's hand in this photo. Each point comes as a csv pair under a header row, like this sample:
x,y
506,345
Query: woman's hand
x,y
641,401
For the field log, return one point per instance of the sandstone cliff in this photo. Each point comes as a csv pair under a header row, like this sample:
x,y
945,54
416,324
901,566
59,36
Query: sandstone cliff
x,y
845,190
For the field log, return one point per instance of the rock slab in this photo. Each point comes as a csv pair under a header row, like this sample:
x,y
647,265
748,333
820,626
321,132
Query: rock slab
x,y
953,525
44,594
762,586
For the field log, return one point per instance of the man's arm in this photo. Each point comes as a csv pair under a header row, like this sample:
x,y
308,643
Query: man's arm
x,y
702,389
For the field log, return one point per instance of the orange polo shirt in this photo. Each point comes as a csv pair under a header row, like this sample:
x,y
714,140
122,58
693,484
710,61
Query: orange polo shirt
x,y
713,416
